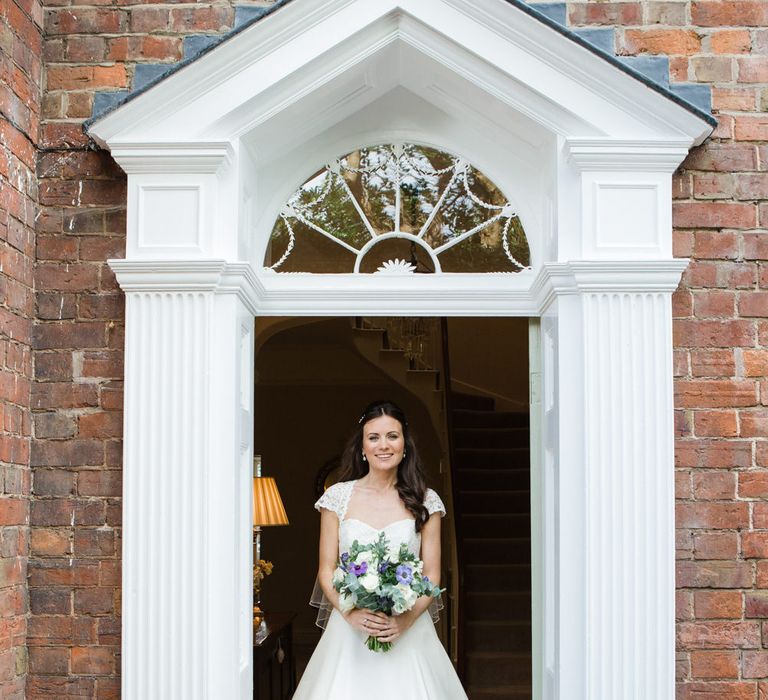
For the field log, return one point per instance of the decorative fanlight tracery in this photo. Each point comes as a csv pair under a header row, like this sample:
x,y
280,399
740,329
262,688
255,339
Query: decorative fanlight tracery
x,y
398,209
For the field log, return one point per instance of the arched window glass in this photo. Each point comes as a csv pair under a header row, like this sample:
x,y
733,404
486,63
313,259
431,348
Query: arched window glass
x,y
398,209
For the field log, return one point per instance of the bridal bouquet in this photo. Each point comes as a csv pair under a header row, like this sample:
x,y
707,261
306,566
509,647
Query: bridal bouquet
x,y
374,577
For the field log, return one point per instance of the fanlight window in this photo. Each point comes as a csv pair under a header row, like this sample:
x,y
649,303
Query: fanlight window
x,y
398,209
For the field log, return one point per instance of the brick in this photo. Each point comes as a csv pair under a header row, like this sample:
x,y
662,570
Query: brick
x,y
755,246
48,661
755,363
49,542
753,423
93,661
63,572
84,21
755,664
715,424
56,306
53,482
713,69
54,424
64,395
730,41
714,215
94,601
712,363
100,483
715,664
715,393
714,304
754,545
739,99
715,334
753,484
713,574
662,41
50,601
753,304
13,511
718,635
716,13
752,69
53,366
751,128
718,691
716,245
712,515
67,453
94,543
715,485
83,334
712,185
756,604
760,516
605,13
715,545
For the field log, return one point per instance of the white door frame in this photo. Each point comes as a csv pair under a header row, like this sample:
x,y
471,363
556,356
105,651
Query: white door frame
x,y
584,150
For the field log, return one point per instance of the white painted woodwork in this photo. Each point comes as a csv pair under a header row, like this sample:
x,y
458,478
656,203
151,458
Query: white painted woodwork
x,y
583,151
186,498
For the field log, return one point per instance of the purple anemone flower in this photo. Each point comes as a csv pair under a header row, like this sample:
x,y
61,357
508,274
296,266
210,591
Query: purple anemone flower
x,y
404,574
360,569
382,567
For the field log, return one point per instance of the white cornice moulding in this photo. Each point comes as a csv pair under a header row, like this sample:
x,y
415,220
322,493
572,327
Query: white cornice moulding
x,y
623,155
203,157
623,276
168,276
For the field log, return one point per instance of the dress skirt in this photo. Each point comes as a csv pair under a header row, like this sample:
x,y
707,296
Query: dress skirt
x,y
343,668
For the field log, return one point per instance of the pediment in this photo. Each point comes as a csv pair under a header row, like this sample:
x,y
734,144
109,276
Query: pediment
x,y
312,63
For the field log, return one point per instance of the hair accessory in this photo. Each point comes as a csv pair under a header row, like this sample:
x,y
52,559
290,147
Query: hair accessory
x,y
361,419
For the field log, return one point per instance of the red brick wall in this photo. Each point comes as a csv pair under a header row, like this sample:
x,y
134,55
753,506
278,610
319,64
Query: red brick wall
x,y
720,333
74,577
20,80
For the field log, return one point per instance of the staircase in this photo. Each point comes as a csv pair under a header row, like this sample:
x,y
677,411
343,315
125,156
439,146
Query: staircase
x,y
492,491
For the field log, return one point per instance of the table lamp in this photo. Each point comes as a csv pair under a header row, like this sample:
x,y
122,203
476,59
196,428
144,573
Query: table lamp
x,y
268,510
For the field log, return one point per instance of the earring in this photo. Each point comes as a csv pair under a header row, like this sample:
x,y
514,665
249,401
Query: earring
x,y
364,457
403,454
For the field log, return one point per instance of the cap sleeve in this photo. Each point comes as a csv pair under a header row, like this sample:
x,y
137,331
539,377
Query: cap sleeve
x,y
433,504
335,499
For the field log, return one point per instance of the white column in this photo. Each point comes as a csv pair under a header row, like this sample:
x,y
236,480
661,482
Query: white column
x,y
608,453
187,469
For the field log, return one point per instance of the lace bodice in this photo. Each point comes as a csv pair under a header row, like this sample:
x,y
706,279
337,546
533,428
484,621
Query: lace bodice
x,y
336,499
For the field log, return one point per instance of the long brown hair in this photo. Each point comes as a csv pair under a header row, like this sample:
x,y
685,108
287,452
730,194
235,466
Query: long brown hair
x,y
411,482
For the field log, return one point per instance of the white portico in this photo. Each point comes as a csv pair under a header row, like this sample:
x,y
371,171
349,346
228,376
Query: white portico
x,y
584,151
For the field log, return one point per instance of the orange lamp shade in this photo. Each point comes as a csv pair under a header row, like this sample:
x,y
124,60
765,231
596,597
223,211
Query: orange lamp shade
x,y
267,506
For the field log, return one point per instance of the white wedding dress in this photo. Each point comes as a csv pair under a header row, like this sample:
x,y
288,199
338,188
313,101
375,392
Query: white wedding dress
x,y
342,667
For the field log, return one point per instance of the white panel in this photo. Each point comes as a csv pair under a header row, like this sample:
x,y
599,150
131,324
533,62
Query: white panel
x,y
626,215
169,216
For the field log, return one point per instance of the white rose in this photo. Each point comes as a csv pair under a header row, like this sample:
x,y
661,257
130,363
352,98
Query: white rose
x,y
409,595
366,556
338,576
369,581
393,556
346,602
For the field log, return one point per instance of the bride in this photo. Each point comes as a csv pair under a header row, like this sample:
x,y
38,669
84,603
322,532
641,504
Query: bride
x,y
383,489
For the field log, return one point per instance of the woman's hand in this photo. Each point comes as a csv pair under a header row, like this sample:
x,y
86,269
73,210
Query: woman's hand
x,y
396,626
368,621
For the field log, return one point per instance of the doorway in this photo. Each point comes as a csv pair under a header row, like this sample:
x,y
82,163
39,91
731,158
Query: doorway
x,y
312,377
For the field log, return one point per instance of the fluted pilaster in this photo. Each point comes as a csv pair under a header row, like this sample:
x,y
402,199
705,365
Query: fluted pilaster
x,y
186,494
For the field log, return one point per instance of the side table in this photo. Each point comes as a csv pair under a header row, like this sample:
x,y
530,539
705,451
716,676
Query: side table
x,y
274,665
